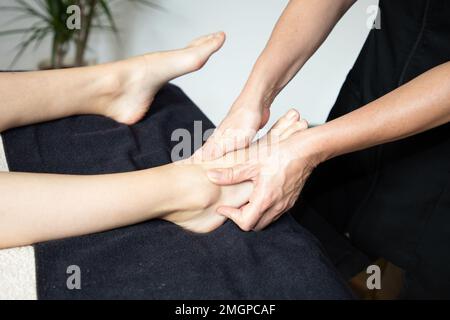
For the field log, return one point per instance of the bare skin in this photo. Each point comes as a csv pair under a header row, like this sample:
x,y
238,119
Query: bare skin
x,y
120,90
41,207
299,32
420,105
206,220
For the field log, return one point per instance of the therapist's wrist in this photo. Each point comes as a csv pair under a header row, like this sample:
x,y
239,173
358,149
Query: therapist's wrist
x,y
248,102
259,92
314,144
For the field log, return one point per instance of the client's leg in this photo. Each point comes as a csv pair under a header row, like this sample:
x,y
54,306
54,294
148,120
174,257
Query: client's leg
x,y
40,207
122,90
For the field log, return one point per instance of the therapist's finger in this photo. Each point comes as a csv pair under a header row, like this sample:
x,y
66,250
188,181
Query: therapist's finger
x,y
211,150
248,216
233,175
269,217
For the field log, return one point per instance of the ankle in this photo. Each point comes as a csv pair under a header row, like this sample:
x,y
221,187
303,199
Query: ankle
x,y
107,88
192,196
200,193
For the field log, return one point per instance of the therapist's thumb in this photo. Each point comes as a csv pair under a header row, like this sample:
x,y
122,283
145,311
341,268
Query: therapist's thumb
x,y
228,176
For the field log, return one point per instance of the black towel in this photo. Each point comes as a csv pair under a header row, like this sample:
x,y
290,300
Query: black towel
x,y
156,259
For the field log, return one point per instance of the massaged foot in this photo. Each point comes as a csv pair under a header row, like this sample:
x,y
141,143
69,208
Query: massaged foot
x,y
206,197
137,80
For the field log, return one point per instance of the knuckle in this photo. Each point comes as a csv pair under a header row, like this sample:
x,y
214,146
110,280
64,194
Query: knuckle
x,y
246,226
271,196
230,173
251,223
280,206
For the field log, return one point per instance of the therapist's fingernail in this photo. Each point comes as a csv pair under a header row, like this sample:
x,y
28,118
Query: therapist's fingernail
x,y
292,114
214,175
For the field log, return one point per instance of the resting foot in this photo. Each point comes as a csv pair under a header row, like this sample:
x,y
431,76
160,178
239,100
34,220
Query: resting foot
x,y
134,82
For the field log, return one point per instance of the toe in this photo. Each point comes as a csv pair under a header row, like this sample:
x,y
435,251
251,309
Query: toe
x,y
200,50
284,123
212,41
294,128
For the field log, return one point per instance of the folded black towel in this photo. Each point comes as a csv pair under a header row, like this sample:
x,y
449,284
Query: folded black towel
x,y
156,259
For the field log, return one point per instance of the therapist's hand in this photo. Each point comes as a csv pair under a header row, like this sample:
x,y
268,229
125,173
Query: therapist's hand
x,y
237,130
278,178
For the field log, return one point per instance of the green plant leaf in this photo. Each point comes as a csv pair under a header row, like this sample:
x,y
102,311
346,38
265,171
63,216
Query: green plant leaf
x,y
107,11
149,4
14,31
33,12
50,18
25,44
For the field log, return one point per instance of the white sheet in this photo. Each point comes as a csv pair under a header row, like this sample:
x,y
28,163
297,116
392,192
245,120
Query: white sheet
x,y
17,266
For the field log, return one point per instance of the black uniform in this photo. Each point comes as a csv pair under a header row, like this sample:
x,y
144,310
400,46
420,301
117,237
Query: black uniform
x,y
394,199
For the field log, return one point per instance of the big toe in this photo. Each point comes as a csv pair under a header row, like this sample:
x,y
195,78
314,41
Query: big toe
x,y
202,48
209,43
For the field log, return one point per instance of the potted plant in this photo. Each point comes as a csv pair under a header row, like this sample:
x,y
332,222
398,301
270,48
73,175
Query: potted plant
x,y
50,19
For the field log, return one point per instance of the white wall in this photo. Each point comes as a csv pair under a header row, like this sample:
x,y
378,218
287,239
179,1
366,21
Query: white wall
x,y
248,24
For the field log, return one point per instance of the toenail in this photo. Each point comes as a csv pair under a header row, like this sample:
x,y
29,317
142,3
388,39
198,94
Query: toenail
x,y
292,114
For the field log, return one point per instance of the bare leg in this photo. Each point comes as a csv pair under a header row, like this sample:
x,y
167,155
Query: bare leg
x,y
36,207
41,207
121,90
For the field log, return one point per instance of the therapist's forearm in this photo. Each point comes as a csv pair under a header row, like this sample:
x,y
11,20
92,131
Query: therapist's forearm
x,y
300,31
420,105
